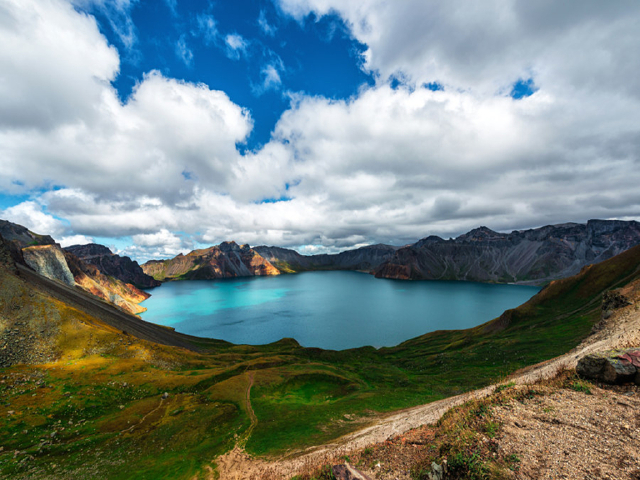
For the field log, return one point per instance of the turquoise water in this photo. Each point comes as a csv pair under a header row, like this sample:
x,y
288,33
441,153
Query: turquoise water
x,y
332,310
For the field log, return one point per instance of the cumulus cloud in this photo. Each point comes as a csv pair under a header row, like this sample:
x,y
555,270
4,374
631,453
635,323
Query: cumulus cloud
x,y
75,240
162,244
394,163
50,75
168,137
487,46
29,214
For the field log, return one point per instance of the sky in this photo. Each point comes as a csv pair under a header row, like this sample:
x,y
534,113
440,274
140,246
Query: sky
x,y
157,127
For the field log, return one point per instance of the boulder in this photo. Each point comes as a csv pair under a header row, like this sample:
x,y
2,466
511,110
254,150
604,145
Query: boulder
x,y
613,367
613,300
618,371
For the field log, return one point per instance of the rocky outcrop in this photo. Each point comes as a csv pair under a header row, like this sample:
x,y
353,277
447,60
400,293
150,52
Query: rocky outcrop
x,y
116,266
48,261
13,232
613,367
348,472
115,291
364,259
226,260
528,256
45,257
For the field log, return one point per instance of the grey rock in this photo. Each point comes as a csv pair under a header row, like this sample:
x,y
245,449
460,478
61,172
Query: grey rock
x,y
618,371
608,367
613,300
347,472
165,395
591,366
437,472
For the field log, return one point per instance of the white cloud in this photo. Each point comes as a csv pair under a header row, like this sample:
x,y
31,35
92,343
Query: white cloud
x,y
163,244
207,28
264,24
183,51
29,214
236,46
75,240
169,137
270,80
118,13
486,46
54,66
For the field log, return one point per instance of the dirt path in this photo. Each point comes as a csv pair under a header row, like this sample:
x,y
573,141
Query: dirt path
x,y
236,464
252,416
621,331
130,429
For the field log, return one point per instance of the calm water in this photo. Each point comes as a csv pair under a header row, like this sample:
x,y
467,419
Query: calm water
x,y
333,310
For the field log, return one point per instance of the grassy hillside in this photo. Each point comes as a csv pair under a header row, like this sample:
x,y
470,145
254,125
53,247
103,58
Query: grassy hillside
x,y
93,407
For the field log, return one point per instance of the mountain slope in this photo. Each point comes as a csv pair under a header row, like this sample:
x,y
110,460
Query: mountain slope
x,y
226,260
365,258
530,256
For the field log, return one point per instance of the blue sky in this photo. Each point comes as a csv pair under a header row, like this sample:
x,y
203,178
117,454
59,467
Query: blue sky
x,y
320,125
189,41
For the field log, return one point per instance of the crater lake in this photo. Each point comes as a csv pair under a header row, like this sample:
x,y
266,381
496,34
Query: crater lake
x,y
332,310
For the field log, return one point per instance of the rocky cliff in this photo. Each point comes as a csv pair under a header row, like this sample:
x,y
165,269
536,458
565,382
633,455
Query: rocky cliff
x,y
365,258
48,261
116,266
226,260
45,257
528,256
88,277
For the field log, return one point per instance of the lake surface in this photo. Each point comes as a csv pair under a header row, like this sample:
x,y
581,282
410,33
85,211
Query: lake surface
x,y
331,310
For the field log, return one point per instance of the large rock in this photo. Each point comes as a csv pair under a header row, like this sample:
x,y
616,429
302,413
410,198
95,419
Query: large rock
x,y
613,300
49,261
347,472
533,256
116,266
613,367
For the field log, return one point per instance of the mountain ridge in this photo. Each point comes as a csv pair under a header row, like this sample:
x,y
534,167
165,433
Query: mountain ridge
x,y
533,256
227,260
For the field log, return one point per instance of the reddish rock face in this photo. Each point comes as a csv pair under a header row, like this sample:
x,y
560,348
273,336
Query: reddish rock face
x,y
226,260
110,289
